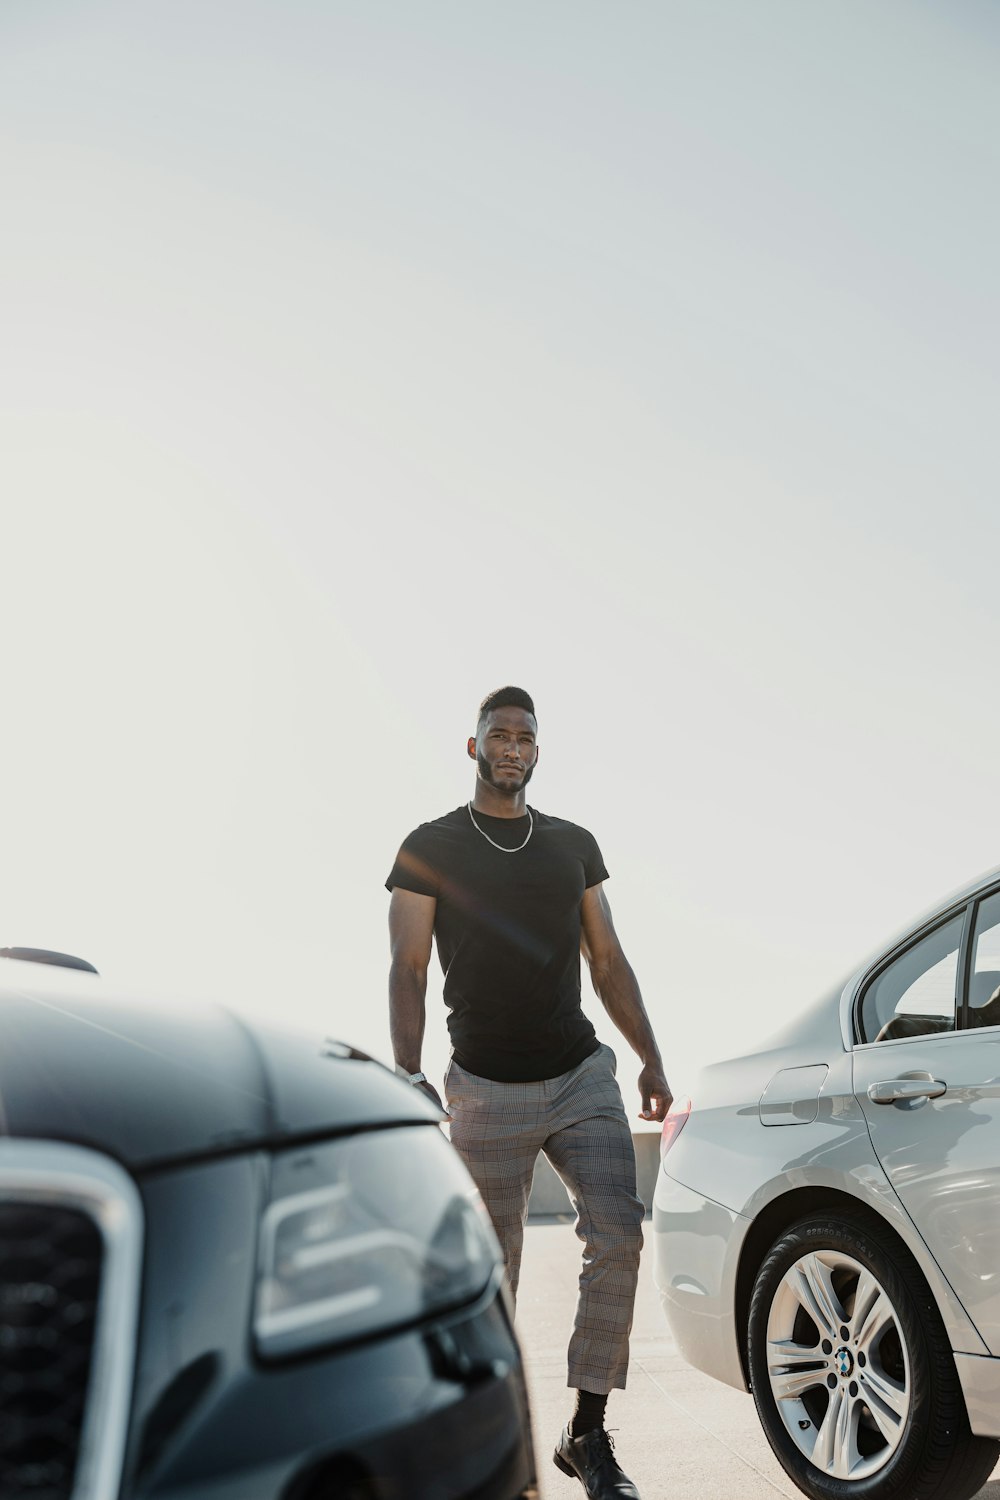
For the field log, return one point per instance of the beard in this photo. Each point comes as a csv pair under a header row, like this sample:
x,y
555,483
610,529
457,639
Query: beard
x,y
506,788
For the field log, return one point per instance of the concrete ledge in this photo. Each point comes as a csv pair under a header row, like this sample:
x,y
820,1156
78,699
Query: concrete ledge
x,y
549,1199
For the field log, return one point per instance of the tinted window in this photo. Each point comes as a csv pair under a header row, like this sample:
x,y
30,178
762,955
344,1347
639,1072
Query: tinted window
x,y
984,984
916,993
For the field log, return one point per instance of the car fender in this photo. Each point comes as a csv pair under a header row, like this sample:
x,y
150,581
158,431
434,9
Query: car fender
x,y
723,1197
802,1190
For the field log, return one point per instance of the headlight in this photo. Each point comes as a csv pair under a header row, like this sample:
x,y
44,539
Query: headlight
x,y
366,1233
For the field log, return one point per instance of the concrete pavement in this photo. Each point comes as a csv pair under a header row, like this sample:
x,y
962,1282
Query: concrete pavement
x,y
681,1436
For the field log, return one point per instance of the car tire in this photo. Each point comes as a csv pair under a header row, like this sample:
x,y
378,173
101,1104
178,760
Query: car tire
x,y
852,1371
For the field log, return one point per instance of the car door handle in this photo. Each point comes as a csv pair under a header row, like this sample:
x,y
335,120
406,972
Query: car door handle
x,y
891,1090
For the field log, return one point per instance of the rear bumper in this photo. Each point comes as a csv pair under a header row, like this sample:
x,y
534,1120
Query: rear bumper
x,y
696,1247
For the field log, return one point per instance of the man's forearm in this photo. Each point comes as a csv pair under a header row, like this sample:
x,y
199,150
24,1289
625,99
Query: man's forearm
x,y
618,990
407,994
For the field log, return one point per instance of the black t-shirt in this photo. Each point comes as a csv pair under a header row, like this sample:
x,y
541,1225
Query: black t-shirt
x,y
507,927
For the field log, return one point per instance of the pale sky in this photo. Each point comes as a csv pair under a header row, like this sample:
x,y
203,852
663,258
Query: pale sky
x,y
358,359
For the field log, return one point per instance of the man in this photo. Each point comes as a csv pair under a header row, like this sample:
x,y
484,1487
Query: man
x,y
511,896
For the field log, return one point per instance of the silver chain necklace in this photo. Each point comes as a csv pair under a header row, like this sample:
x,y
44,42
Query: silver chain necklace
x,y
517,849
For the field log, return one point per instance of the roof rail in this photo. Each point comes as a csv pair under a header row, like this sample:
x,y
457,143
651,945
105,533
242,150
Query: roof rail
x,y
48,956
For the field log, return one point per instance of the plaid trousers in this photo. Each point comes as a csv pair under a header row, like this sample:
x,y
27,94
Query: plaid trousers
x,y
578,1120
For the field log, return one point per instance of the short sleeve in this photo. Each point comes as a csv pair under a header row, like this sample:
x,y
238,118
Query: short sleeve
x,y
594,867
413,869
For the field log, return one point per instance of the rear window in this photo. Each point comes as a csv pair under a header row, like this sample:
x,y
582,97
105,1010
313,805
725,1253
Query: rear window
x,y
916,993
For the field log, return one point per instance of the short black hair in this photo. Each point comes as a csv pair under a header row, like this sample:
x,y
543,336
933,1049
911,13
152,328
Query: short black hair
x,y
506,697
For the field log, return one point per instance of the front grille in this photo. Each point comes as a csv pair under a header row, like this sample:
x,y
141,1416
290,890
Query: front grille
x,y
50,1273
70,1261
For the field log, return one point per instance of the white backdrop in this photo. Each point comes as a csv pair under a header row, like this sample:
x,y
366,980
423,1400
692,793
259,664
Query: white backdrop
x,y
361,359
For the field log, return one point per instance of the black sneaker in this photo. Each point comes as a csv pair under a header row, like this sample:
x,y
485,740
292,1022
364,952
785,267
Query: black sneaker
x,y
591,1459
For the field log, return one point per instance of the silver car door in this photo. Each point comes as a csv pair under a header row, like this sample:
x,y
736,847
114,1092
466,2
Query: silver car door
x,y
930,1091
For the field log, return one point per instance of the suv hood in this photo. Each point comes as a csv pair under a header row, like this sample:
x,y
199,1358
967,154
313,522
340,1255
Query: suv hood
x,y
152,1082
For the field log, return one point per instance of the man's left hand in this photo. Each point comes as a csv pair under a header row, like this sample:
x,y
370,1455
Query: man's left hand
x,y
655,1093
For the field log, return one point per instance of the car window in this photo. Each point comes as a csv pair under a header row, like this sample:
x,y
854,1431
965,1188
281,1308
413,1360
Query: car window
x,y
915,995
984,982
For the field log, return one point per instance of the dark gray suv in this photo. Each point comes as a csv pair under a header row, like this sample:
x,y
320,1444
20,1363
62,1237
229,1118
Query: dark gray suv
x,y
236,1265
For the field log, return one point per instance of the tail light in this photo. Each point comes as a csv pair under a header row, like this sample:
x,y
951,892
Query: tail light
x,y
673,1124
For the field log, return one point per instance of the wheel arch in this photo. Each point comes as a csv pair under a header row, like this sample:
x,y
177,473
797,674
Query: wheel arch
x,y
772,1221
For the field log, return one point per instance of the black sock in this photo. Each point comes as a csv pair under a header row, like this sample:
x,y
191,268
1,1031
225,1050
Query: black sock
x,y
589,1413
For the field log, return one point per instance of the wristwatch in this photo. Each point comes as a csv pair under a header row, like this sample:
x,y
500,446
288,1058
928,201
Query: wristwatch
x,y
410,1077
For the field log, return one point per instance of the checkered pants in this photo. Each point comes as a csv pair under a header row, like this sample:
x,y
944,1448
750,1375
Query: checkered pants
x,y
578,1120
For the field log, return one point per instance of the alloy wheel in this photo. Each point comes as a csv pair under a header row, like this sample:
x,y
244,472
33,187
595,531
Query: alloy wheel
x,y
837,1364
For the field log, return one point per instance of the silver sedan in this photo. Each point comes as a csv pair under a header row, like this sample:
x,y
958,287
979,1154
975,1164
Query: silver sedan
x,y
827,1220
